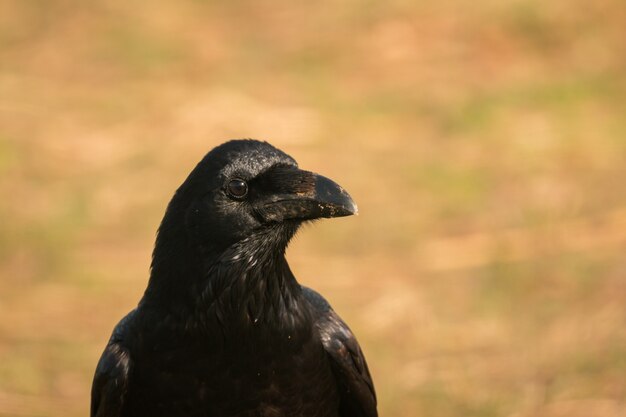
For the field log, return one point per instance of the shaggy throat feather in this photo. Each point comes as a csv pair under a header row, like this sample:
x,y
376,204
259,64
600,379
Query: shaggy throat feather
x,y
251,283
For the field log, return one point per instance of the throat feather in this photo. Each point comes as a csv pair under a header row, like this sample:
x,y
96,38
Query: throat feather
x,y
251,284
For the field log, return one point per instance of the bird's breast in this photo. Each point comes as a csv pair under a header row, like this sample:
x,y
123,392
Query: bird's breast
x,y
256,372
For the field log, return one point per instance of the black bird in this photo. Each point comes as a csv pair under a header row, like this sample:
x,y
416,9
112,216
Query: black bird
x,y
224,329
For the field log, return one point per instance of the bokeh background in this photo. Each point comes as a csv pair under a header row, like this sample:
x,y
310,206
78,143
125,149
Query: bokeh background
x,y
484,141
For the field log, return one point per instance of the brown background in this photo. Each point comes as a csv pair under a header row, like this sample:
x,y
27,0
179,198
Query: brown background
x,y
484,141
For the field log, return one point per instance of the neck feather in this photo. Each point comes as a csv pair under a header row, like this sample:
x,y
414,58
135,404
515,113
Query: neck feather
x,y
251,283
248,284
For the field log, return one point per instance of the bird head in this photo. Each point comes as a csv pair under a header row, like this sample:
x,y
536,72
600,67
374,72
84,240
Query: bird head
x,y
244,188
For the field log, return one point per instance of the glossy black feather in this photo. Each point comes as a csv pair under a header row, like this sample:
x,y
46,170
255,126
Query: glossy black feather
x,y
224,329
110,385
356,388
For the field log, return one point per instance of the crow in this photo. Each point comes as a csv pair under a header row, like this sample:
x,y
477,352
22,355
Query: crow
x,y
223,328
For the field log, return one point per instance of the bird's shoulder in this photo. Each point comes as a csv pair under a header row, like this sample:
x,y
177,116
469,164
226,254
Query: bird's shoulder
x,y
111,379
358,397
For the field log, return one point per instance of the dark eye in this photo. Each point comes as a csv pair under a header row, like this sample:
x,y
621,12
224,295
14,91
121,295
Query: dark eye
x,y
237,188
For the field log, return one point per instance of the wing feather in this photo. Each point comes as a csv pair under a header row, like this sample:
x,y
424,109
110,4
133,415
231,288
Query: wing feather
x,y
358,396
110,383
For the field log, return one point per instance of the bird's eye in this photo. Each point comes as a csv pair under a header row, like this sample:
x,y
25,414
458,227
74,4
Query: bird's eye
x,y
237,188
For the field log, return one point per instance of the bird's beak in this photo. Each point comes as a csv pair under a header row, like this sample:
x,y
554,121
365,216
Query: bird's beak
x,y
304,195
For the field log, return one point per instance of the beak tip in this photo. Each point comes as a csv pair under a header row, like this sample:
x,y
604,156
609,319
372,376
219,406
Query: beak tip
x,y
354,209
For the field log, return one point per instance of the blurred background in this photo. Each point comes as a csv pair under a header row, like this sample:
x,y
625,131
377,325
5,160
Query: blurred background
x,y
484,141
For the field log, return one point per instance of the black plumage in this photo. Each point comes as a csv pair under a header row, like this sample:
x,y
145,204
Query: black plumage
x,y
224,329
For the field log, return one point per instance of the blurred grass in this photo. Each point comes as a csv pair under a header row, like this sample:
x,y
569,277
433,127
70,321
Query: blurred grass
x,y
484,143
